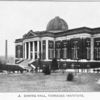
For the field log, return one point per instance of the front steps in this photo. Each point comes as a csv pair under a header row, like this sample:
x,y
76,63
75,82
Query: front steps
x,y
25,64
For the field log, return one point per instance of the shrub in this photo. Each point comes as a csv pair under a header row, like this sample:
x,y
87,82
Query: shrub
x,y
70,77
46,70
54,64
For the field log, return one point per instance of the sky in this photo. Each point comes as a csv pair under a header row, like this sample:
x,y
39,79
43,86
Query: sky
x,y
17,18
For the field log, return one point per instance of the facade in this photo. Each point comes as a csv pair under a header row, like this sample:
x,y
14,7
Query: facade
x,y
80,46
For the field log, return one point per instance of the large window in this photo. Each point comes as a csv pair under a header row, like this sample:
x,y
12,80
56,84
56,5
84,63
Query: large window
x,y
97,48
58,49
51,49
64,49
19,51
75,50
88,49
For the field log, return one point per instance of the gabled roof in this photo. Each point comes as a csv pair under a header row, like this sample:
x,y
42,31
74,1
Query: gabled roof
x,y
32,34
29,34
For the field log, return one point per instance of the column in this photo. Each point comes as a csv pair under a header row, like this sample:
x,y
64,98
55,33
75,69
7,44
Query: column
x,y
29,50
33,51
25,52
38,49
92,48
41,50
46,49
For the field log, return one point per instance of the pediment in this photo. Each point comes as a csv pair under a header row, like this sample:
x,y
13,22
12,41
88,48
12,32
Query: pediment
x,y
30,34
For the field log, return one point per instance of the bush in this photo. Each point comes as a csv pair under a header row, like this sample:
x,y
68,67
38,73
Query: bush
x,y
46,70
70,77
11,68
54,64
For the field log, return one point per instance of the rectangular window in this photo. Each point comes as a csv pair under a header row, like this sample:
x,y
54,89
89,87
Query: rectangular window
x,y
19,51
58,49
88,49
97,48
51,49
64,49
75,49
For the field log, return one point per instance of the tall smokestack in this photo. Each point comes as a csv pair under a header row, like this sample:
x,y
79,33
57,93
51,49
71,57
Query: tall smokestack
x,y
6,50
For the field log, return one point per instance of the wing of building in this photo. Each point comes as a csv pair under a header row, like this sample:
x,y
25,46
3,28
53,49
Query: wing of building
x,y
80,45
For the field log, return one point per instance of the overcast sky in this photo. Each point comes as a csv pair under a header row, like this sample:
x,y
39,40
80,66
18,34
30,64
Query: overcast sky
x,y
17,18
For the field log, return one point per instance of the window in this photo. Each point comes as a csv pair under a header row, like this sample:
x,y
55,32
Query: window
x,y
75,50
19,51
64,49
97,49
51,49
88,49
58,49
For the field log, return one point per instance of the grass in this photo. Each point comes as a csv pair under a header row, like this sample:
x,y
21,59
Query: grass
x,y
56,82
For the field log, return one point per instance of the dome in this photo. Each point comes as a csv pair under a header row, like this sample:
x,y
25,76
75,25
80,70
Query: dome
x,y
57,24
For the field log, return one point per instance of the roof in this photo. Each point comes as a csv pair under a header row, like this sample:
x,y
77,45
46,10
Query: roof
x,y
57,23
32,34
19,40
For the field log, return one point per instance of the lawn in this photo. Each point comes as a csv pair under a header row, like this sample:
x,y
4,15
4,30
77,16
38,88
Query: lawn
x,y
56,82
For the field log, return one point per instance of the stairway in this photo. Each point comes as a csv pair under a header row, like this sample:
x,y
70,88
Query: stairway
x,y
24,64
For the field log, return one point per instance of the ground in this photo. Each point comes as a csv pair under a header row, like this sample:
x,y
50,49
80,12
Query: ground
x,y
56,82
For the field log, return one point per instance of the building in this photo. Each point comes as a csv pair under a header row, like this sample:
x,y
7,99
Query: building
x,y
80,46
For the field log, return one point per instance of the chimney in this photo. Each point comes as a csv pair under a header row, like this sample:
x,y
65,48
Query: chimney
x,y
6,50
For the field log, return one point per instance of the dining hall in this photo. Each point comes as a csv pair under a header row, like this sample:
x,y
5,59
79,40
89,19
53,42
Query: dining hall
x,y
78,46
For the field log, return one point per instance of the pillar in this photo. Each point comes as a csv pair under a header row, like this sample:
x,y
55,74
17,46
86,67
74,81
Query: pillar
x,y
38,49
92,48
29,50
41,49
46,49
25,51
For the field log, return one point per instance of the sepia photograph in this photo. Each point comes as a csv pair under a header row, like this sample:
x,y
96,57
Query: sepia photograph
x,y
49,47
